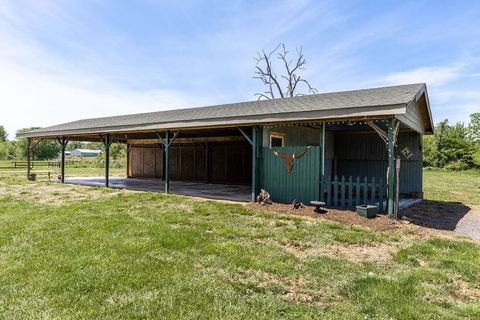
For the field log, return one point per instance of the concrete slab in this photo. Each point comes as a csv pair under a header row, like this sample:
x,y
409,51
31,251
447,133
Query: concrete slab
x,y
204,190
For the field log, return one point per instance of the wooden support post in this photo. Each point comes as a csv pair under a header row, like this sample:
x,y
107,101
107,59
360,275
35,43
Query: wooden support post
x,y
167,162
321,173
107,142
166,147
207,161
63,144
254,143
397,186
29,155
391,167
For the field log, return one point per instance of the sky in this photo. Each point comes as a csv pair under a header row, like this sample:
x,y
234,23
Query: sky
x,y
63,60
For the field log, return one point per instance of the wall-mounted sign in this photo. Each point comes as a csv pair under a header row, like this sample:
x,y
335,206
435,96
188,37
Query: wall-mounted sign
x,y
288,158
407,153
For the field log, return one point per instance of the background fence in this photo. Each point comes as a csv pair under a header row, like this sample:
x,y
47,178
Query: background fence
x,y
350,192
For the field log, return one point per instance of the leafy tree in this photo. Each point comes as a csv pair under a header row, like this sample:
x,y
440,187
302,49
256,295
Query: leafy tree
x,y
3,134
3,150
45,149
473,131
449,147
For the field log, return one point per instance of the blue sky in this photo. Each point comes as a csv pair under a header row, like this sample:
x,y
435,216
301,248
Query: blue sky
x,y
65,60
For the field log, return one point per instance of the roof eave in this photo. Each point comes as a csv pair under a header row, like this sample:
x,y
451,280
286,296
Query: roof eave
x,y
356,113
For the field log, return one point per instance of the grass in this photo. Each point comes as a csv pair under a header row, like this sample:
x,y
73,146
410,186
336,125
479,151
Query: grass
x,y
81,169
73,252
459,186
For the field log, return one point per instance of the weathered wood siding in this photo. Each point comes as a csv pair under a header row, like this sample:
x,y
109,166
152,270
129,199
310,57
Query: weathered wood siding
x,y
228,162
145,161
413,118
365,155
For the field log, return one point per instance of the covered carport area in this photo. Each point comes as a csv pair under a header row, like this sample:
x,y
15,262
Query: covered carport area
x,y
214,163
195,189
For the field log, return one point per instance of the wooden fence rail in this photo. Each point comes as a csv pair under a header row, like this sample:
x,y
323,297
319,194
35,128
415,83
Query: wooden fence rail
x,y
42,163
348,193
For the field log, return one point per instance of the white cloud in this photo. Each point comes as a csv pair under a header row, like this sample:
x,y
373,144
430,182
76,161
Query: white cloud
x,y
30,98
433,76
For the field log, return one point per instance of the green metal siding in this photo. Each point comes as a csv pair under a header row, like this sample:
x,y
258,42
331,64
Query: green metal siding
x,y
294,136
302,184
365,155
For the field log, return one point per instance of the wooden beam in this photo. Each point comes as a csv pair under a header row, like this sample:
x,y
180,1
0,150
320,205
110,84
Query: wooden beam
x,y
107,142
391,167
29,151
254,143
246,136
188,140
166,144
378,130
63,144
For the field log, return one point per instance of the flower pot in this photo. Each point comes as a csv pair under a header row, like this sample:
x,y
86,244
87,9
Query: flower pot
x,y
367,210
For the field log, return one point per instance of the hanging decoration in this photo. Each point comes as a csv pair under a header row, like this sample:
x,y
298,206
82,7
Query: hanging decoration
x,y
289,158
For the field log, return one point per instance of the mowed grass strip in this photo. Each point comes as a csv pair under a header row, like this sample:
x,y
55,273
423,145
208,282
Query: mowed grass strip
x,y
147,255
457,186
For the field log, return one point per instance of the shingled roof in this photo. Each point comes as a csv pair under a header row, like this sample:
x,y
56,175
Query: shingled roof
x,y
375,102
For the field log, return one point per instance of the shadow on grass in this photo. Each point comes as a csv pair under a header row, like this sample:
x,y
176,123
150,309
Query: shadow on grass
x,y
441,215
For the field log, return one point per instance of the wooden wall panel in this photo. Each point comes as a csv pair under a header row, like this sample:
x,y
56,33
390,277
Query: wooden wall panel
x,y
187,165
149,163
159,163
200,163
136,162
230,162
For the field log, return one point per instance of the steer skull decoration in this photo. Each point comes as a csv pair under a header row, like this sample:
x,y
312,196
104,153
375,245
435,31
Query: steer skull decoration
x,y
288,158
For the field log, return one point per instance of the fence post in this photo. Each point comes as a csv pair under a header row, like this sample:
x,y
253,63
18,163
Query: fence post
x,y
380,193
322,195
357,192
342,195
329,192
335,192
373,195
350,192
365,190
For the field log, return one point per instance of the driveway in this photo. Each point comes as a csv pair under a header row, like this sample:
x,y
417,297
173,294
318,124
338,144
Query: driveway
x,y
469,225
442,215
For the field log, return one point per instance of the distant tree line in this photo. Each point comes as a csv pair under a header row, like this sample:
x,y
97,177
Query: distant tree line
x,y
453,146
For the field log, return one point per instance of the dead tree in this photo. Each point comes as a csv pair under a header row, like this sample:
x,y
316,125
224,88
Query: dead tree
x,y
289,81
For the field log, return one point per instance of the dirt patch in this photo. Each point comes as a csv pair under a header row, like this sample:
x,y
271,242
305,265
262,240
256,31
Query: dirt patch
x,y
54,193
374,252
466,291
292,289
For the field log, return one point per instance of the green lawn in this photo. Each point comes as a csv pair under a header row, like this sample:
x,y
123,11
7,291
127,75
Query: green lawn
x,y
460,186
81,169
73,252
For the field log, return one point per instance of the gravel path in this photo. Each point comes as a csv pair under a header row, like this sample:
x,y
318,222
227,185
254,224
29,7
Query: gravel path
x,y
469,225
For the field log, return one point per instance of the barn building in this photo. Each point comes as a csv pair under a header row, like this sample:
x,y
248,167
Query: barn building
x,y
85,152
343,148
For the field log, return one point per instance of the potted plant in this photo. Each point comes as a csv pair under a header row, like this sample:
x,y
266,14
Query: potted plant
x,y
367,210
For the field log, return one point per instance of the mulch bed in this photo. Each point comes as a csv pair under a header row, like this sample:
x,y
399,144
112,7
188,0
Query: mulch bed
x,y
423,219
348,217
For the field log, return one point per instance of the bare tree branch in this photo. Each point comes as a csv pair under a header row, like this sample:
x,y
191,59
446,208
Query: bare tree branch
x,y
264,71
